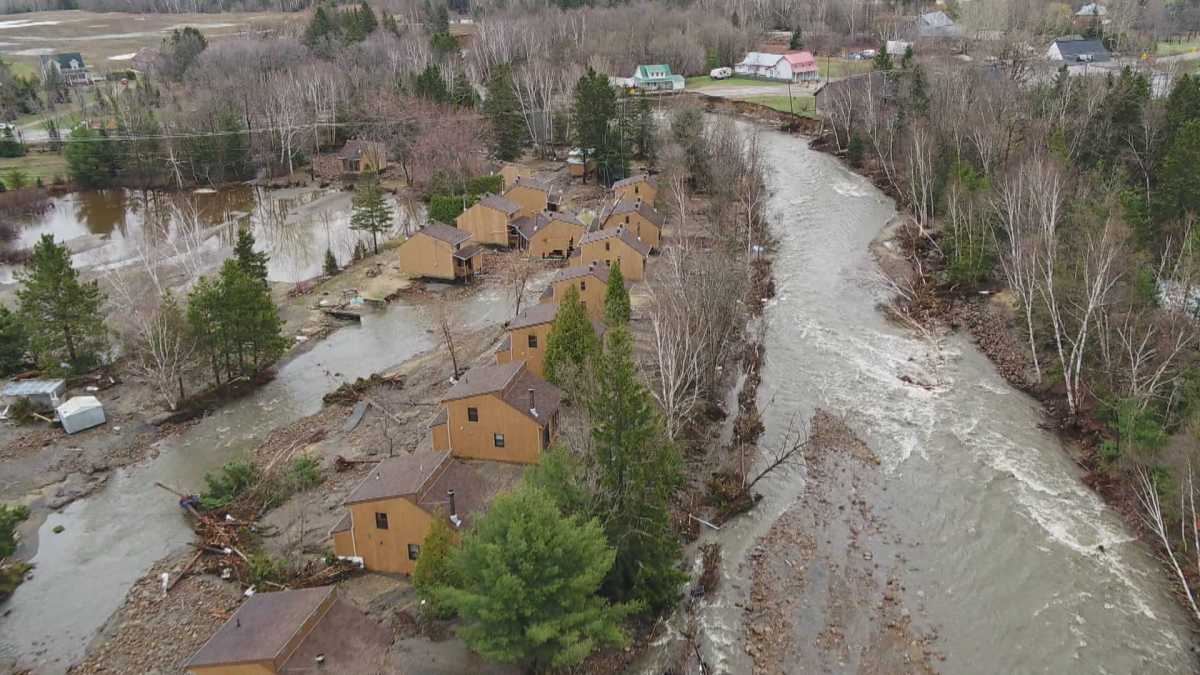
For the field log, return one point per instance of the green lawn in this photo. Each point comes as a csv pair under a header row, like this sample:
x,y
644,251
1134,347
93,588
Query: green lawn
x,y
832,67
705,81
1173,48
802,105
47,165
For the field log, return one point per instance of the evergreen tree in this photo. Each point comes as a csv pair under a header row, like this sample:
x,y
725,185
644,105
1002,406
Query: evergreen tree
x,y
595,111
1183,105
434,569
235,323
463,94
91,159
1179,179
882,60
616,299
638,472
9,145
712,60
319,28
431,86
504,112
331,263
907,60
14,342
390,25
371,212
572,342
61,314
647,133
797,41
367,23
561,476
529,581
179,51
253,263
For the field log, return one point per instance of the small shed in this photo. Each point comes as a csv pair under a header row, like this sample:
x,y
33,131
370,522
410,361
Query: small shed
x,y
44,394
79,413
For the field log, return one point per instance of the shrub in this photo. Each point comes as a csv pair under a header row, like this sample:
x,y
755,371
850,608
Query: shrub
x,y
478,185
264,568
304,473
10,517
446,208
228,484
434,569
855,150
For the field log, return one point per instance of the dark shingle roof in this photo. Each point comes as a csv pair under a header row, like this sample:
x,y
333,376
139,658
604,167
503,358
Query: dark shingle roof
x,y
1073,50
546,397
356,149
535,315
468,252
639,178
261,628
446,233
470,492
535,183
529,225
351,642
483,380
619,233
598,271
512,382
65,58
631,206
501,204
398,476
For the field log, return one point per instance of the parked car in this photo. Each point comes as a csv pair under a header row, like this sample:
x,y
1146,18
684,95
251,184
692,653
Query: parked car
x,y
720,73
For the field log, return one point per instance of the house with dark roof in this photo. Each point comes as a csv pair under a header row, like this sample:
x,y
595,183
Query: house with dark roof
x,y
526,336
635,216
1078,51
358,157
490,220
439,251
69,66
641,186
550,234
932,25
590,283
533,195
617,245
291,632
394,507
502,413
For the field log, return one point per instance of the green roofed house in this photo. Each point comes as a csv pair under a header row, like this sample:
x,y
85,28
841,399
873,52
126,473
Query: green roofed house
x,y
657,78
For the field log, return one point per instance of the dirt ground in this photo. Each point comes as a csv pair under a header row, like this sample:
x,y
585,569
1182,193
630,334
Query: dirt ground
x,y
828,577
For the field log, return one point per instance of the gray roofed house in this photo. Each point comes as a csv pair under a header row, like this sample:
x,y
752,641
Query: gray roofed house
x,y
446,233
500,203
1078,51
68,65
621,233
528,226
937,25
399,476
534,315
1092,9
285,631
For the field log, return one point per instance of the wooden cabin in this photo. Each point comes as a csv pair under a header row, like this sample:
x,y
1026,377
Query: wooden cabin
x,y
502,413
525,339
636,216
590,281
439,251
605,247
391,511
642,186
549,235
359,157
304,630
533,195
511,172
489,220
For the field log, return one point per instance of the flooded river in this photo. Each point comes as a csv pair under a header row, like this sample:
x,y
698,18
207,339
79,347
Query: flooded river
x,y
1018,566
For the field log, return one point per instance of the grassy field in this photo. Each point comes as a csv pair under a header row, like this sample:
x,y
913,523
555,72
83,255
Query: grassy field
x,y
1173,48
108,40
44,165
705,81
803,105
835,68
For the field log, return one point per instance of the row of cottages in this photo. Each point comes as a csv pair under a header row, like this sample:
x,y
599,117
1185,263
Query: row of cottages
x,y
495,220
609,247
439,251
789,67
297,631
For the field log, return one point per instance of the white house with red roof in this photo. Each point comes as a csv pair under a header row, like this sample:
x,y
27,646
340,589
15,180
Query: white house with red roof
x,y
788,67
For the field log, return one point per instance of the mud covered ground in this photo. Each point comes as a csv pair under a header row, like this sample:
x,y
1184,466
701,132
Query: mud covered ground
x,y
828,577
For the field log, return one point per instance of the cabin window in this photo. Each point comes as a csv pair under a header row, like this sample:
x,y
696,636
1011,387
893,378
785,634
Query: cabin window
x,y
546,437
626,220
607,247
472,414
498,440
414,551
381,521
583,285
532,342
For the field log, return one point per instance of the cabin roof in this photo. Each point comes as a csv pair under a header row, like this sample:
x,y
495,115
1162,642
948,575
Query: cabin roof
x,y
450,235
511,382
633,180
569,273
500,203
535,316
262,627
638,206
618,233
399,476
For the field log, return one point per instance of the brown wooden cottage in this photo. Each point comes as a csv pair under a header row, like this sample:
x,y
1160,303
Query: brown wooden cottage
x,y
549,234
533,195
590,281
391,511
607,247
439,251
502,413
642,186
490,220
359,157
634,215
511,172
525,339
309,630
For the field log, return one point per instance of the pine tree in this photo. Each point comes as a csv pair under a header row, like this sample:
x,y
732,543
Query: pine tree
x,y
504,112
331,263
1179,181
367,22
595,110
572,342
431,86
638,472
434,569
616,299
235,323
91,160
319,27
371,212
61,314
797,41
1183,105
252,263
14,342
529,581
882,60
647,132
463,94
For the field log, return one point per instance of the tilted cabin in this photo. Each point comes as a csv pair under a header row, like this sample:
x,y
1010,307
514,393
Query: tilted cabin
x,y
489,220
439,251
590,281
290,632
502,413
642,186
533,196
605,247
636,216
391,511
549,235
511,172
525,339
